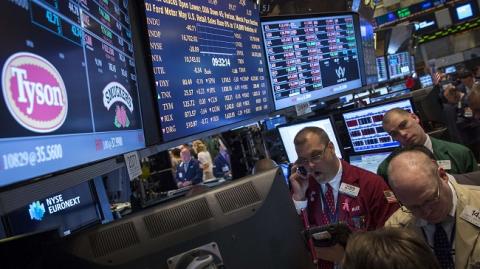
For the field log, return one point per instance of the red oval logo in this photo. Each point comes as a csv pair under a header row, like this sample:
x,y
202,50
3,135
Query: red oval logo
x,y
34,92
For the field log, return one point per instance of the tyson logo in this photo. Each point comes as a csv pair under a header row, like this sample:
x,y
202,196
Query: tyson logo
x,y
34,92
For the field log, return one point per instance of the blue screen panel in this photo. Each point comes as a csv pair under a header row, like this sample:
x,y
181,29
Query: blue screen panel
x,y
208,64
69,89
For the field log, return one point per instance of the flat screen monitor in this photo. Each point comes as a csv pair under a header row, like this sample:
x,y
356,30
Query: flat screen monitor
x,y
288,132
272,123
450,69
369,161
368,48
425,24
399,65
464,11
69,89
426,81
397,87
65,212
381,69
248,223
312,57
208,64
365,128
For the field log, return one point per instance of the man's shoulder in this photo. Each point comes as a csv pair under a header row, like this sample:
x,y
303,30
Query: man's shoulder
x,y
439,145
400,219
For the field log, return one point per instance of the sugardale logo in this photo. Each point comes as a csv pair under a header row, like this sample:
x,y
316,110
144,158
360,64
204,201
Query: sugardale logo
x,y
340,71
113,93
34,92
36,210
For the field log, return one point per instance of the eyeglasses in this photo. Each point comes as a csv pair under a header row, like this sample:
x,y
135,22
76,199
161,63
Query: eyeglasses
x,y
427,204
314,159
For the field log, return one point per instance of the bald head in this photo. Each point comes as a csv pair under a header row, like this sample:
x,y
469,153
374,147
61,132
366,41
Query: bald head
x,y
407,166
420,184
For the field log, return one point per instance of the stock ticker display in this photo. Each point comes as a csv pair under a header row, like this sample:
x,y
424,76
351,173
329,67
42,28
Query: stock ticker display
x,y
399,64
311,58
365,126
208,64
69,85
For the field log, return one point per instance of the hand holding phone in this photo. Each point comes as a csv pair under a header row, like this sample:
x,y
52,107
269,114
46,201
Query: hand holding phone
x,y
299,182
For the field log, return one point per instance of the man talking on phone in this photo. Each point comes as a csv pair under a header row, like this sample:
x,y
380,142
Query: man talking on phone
x,y
327,190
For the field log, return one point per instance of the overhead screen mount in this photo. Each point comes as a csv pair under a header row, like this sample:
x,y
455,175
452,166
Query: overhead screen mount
x,y
289,131
207,63
313,56
365,128
69,89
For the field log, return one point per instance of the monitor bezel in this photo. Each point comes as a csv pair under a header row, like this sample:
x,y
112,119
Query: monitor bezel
x,y
358,37
373,105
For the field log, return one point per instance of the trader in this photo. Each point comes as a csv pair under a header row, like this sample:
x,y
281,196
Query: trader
x,y
188,171
328,190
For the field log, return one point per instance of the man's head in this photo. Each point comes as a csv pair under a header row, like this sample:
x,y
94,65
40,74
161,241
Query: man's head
x,y
404,127
474,100
185,154
420,184
466,77
316,153
388,248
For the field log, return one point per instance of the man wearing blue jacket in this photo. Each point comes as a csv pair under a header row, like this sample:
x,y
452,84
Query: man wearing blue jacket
x,y
188,171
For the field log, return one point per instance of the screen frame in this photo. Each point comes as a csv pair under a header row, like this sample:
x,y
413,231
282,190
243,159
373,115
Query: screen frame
x,y
335,132
373,105
402,75
358,37
45,176
161,144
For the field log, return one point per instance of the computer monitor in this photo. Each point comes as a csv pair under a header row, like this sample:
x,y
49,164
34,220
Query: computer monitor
x,y
69,86
247,223
346,99
464,11
450,69
369,161
272,123
365,128
426,81
208,65
382,69
312,56
288,133
399,65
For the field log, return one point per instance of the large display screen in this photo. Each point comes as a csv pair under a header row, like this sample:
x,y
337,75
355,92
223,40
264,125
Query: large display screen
x,y
382,69
399,65
208,64
288,133
365,126
69,90
464,11
311,58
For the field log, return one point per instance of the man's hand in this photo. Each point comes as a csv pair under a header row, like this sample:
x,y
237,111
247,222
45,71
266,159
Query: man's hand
x,y
187,183
451,94
333,254
299,184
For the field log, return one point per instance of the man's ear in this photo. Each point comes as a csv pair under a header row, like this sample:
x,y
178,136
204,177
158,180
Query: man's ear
x,y
415,117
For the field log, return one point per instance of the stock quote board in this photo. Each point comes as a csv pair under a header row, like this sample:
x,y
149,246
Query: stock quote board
x,y
208,64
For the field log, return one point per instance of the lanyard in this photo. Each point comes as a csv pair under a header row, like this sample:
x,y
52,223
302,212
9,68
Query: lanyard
x,y
332,218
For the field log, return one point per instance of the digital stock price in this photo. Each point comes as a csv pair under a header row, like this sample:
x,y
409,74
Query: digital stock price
x,y
208,64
